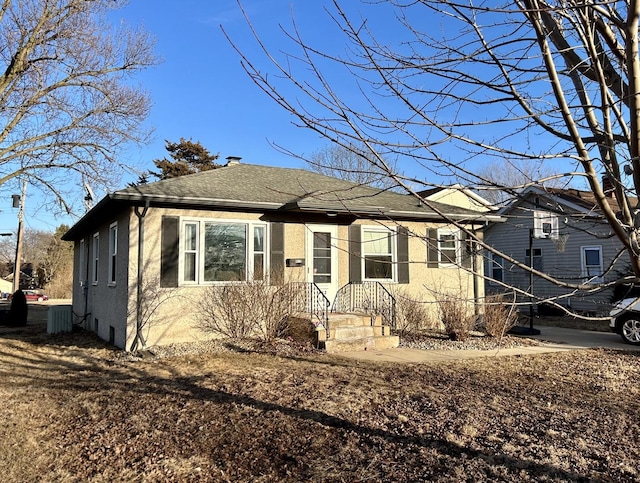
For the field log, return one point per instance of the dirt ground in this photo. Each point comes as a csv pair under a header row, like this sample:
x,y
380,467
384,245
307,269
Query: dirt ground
x,y
74,409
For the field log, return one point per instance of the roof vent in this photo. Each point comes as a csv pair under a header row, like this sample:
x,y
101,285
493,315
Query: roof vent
x,y
233,160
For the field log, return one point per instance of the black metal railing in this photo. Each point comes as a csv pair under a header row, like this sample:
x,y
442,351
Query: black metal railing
x,y
311,299
372,298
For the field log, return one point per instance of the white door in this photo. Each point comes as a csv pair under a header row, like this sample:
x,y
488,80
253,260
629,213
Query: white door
x,y
322,258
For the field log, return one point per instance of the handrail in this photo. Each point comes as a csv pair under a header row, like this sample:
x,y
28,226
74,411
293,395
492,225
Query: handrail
x,y
370,297
315,302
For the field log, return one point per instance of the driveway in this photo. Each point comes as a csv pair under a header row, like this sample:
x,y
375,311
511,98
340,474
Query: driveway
x,y
581,339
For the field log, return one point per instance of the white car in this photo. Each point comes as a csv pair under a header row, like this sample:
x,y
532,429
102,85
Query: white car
x,y
625,320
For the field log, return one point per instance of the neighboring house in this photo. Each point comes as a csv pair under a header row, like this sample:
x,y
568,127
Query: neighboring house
x,y
569,239
460,196
243,221
6,286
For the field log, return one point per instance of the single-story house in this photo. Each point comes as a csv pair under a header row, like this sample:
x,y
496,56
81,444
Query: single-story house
x,y
570,241
242,222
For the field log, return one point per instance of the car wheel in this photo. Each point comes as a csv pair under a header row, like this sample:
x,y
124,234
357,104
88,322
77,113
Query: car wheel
x,y
40,299
630,329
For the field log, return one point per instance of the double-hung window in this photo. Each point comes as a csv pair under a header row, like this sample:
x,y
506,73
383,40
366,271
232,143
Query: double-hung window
x,y
378,250
95,258
222,251
537,258
592,270
496,266
448,246
113,252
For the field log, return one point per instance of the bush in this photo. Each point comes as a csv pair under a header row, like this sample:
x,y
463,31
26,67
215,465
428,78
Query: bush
x,y
456,318
499,316
248,309
412,315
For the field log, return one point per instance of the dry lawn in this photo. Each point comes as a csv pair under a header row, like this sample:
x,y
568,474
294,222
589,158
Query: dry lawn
x,y
75,410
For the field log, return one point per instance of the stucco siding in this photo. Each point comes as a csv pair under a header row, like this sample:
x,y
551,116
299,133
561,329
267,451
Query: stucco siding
x,y
171,315
99,303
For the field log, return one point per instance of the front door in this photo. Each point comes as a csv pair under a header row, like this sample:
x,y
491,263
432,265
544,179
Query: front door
x,y
322,258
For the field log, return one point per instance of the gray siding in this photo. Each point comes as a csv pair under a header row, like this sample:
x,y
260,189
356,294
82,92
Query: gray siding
x,y
512,238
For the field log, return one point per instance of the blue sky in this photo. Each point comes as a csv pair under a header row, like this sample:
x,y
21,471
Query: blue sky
x,y
200,90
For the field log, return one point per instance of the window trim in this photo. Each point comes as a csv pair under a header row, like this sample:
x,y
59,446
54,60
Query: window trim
x,y
584,268
113,253
200,224
95,260
393,234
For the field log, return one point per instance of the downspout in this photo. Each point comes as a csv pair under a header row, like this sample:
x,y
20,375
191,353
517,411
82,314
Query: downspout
x,y
139,338
474,270
85,284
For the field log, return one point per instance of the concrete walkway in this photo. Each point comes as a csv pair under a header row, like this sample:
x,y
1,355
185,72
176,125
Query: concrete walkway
x,y
553,339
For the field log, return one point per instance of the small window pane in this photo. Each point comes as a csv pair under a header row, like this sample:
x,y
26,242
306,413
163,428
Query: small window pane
x,y
190,236
190,267
258,266
377,267
258,239
376,242
592,257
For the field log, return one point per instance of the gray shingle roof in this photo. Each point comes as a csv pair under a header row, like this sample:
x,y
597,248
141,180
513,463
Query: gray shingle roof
x,y
283,188
268,188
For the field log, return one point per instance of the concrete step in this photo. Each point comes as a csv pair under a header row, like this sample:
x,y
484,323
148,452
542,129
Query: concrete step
x,y
357,331
342,320
363,343
351,332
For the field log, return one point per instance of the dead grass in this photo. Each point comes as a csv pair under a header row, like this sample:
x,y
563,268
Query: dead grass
x,y
75,410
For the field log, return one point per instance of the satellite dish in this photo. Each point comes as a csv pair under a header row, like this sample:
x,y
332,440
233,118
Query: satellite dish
x,y
89,197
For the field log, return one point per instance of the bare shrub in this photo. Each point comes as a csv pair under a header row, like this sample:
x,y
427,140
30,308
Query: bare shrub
x,y
412,314
248,309
499,316
456,318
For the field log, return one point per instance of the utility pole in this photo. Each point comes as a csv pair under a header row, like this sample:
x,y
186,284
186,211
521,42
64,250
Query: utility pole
x,y
18,262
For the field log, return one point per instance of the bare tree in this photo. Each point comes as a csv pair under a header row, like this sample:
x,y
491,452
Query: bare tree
x,y
464,83
349,163
66,97
503,181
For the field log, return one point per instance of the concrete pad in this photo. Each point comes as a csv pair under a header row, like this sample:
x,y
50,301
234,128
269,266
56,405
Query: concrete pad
x,y
554,339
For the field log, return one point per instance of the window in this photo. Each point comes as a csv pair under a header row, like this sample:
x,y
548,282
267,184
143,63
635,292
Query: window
x,y
190,252
537,258
496,267
378,254
113,252
225,252
82,267
321,257
95,259
222,251
448,246
258,252
592,264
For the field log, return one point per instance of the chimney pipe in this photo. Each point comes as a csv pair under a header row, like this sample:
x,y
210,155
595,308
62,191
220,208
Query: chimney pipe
x,y
233,160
